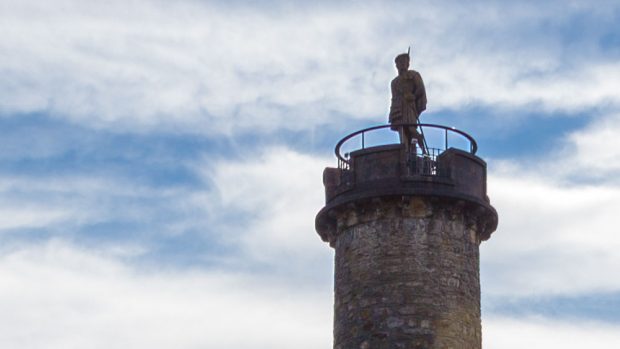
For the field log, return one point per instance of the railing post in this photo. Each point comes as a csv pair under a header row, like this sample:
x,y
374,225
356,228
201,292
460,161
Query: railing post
x,y
446,139
363,133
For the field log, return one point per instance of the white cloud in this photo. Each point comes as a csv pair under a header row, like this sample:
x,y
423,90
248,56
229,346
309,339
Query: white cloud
x,y
36,203
507,86
544,333
30,217
274,197
557,233
552,239
64,204
202,67
594,151
58,296
262,207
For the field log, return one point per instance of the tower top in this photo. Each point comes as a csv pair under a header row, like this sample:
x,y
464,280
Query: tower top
x,y
446,169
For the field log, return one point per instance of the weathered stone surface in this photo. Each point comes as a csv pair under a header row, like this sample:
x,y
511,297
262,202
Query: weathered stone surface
x,y
407,257
407,276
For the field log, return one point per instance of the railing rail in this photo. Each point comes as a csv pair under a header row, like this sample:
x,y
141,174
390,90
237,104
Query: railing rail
x,y
343,161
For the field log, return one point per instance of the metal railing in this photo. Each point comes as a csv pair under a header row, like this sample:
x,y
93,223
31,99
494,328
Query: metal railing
x,y
425,164
343,159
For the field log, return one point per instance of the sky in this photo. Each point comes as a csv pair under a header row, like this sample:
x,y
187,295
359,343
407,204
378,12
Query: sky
x,y
161,163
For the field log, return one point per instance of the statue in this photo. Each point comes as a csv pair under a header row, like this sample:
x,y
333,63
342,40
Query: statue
x,y
408,102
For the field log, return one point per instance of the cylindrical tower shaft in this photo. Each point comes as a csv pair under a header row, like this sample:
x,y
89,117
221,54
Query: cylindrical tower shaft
x,y
407,275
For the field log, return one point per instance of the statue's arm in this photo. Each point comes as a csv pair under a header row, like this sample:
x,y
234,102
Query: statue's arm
x,y
421,100
393,88
394,103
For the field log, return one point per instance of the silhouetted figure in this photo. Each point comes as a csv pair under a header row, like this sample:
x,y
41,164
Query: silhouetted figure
x,y
408,102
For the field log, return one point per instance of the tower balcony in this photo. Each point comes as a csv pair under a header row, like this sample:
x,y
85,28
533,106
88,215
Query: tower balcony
x,y
372,165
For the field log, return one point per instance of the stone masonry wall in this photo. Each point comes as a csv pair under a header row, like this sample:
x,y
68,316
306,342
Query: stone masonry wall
x,y
407,275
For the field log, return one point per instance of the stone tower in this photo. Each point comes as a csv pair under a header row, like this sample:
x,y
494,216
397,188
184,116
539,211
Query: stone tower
x,y
406,229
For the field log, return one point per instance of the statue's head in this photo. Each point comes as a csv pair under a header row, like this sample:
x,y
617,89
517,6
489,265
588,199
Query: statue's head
x,y
402,62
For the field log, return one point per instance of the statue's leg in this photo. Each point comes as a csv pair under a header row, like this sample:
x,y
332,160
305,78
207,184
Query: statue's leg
x,y
410,135
405,137
420,140
404,140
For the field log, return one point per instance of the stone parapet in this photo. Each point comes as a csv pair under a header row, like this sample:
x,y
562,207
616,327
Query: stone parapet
x,y
383,171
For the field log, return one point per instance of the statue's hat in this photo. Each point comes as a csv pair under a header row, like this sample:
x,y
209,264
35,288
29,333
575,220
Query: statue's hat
x,y
404,55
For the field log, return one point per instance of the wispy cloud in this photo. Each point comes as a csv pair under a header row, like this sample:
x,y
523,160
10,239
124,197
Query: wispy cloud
x,y
201,67
593,153
540,333
270,201
552,239
56,295
126,219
